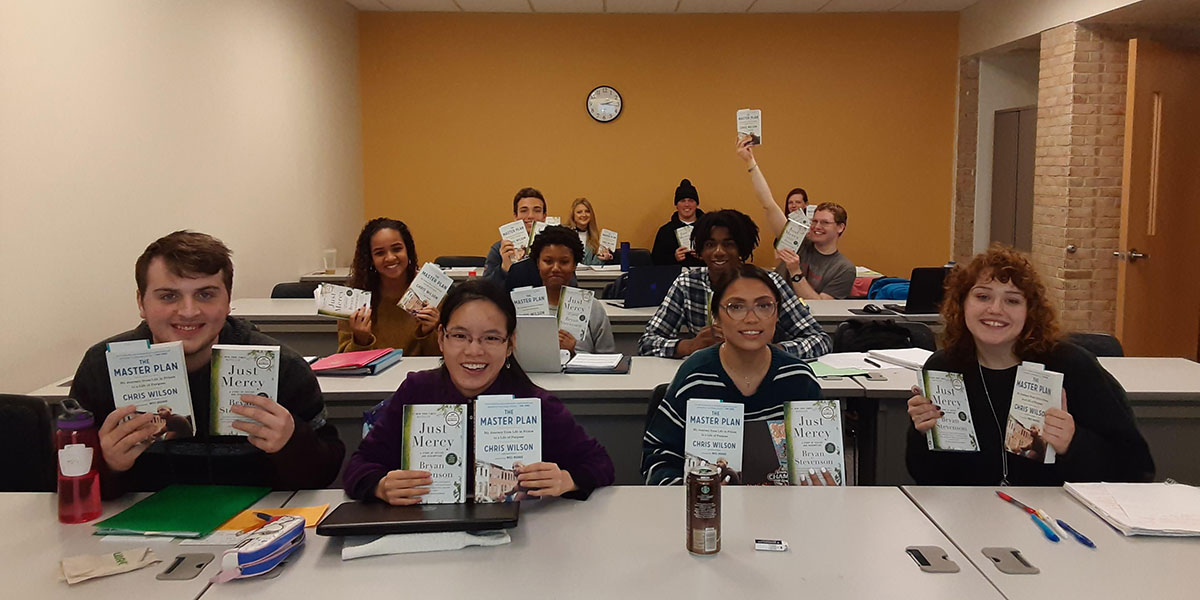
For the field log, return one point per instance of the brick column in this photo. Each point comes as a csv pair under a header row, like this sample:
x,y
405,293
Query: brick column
x,y
962,234
1077,173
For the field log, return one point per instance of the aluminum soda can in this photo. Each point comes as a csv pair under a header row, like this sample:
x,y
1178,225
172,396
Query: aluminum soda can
x,y
703,511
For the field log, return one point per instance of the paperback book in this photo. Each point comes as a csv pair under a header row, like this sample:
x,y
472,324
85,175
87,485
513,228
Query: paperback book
x,y
435,440
713,438
1034,391
516,233
508,436
428,288
793,232
241,371
154,379
814,439
684,236
574,310
553,220
955,431
608,239
749,122
340,301
531,301
538,228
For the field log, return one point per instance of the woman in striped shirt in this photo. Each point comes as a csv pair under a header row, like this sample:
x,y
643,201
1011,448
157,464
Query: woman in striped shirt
x,y
745,368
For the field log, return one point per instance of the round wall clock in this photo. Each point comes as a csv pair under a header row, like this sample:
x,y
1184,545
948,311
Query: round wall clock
x,y
604,103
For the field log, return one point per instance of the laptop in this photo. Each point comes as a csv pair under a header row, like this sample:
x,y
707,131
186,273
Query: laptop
x,y
925,289
377,518
647,285
537,344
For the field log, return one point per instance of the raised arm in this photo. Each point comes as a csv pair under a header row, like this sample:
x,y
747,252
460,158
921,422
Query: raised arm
x,y
771,211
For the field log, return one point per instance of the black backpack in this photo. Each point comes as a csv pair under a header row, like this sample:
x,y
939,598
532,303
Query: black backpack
x,y
861,335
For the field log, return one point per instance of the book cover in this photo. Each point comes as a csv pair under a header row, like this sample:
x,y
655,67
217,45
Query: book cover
x,y
955,431
240,371
516,233
508,435
574,310
778,429
1034,391
814,439
538,228
793,232
749,122
154,379
713,437
428,288
683,235
340,301
608,239
708,311
553,220
531,301
435,440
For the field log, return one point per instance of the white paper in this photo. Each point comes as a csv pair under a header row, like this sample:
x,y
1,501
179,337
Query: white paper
x,y
1143,508
595,361
340,301
516,233
508,435
713,435
554,220
428,288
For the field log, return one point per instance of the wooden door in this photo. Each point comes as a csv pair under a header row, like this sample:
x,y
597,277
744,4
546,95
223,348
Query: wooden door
x,y
1158,281
1013,146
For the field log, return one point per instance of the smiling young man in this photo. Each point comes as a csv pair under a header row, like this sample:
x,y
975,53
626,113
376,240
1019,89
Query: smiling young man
x,y
184,282
667,250
725,239
819,270
529,206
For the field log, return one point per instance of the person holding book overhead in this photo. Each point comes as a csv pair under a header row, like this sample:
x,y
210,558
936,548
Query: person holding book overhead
x,y
583,221
556,252
744,368
475,333
529,207
385,264
726,239
668,249
184,282
817,269
998,315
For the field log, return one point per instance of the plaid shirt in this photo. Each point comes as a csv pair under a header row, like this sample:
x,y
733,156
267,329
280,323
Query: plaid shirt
x,y
796,331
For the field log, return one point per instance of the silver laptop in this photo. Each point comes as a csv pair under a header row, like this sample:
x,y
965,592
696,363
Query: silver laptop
x,y
537,344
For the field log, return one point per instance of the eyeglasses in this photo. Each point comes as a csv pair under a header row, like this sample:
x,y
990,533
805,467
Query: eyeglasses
x,y
490,340
824,223
738,311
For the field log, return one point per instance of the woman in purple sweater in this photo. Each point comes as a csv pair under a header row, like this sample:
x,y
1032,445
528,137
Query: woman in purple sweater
x,y
475,333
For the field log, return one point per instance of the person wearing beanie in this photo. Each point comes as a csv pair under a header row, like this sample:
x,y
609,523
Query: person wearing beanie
x,y
667,250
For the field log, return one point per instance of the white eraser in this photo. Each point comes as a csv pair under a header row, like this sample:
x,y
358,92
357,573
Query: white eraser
x,y
771,545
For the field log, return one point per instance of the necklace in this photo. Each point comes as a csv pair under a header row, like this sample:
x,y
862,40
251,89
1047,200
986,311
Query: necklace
x,y
1000,430
746,379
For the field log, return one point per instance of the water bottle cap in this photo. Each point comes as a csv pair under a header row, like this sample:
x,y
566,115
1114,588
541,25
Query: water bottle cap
x,y
75,416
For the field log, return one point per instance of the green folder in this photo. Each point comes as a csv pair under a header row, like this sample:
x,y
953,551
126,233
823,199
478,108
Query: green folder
x,y
189,511
821,369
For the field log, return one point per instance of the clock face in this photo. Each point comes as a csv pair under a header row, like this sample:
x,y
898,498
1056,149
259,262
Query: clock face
x,y
604,104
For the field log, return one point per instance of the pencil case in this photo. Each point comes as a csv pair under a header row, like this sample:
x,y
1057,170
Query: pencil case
x,y
264,550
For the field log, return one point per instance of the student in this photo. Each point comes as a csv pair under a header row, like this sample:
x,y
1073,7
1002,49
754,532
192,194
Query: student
x,y
556,252
529,205
184,281
583,221
797,200
725,239
385,263
667,250
997,315
745,368
818,271
476,335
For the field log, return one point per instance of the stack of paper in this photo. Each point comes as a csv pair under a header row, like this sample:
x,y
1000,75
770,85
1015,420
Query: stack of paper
x,y
909,358
1168,509
594,363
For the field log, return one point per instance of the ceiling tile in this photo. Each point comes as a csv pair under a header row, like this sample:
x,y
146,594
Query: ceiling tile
x,y
934,5
419,5
568,6
641,6
860,5
367,4
787,6
714,6
494,6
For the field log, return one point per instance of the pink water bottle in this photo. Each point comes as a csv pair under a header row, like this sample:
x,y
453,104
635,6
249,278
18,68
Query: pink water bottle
x,y
78,446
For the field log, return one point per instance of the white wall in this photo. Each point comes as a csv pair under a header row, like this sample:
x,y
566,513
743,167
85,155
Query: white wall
x,y
124,120
1005,81
992,23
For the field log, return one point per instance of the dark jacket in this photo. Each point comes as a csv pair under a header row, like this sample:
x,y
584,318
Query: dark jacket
x,y
311,459
1106,446
665,244
564,442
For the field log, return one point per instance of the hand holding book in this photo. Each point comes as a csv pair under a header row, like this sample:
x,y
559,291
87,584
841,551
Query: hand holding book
x,y
274,423
403,487
566,341
124,439
1060,427
545,480
922,411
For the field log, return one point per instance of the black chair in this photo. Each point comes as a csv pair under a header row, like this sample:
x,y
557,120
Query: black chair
x,y
639,257
27,442
656,398
861,335
459,261
294,289
1100,344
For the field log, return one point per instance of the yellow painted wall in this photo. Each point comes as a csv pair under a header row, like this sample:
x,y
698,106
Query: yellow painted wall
x,y
460,111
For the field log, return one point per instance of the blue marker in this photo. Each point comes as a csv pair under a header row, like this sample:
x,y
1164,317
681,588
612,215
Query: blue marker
x,y
1050,535
1079,537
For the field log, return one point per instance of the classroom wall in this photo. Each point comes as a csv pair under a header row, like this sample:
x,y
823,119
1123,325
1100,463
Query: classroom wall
x,y
989,24
460,111
125,120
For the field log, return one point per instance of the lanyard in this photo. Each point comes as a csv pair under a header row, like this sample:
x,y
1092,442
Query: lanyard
x,y
996,420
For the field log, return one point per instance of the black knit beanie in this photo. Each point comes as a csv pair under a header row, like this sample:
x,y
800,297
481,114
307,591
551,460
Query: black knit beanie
x,y
686,190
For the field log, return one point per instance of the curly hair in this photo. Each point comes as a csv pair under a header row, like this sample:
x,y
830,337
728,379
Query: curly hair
x,y
363,275
1004,264
557,235
741,228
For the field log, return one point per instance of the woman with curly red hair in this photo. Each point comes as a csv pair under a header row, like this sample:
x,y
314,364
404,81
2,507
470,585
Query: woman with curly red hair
x,y
997,315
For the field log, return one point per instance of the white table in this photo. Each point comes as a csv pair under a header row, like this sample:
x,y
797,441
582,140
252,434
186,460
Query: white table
x,y
34,542
829,313
339,276
628,542
1119,567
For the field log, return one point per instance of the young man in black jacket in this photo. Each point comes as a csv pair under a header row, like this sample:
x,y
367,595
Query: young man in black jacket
x,y
184,283
667,250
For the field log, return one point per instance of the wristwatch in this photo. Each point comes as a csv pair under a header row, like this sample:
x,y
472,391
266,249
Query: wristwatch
x,y
797,278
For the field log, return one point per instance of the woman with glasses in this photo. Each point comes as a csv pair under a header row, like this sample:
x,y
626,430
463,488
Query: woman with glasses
x,y
556,252
745,368
475,333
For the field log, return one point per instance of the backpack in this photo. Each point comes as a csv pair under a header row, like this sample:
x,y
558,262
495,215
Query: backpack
x,y
888,288
861,335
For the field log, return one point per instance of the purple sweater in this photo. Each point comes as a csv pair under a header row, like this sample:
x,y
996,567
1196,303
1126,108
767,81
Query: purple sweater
x,y
564,442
